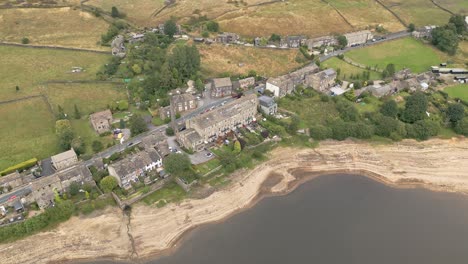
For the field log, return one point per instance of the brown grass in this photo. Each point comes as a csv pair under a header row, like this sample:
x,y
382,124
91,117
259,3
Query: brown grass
x,y
219,59
52,26
419,12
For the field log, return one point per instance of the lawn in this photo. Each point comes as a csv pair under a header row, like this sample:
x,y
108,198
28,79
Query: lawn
x,y
404,53
458,91
347,69
206,167
169,193
220,59
312,111
84,96
84,130
28,68
28,132
53,26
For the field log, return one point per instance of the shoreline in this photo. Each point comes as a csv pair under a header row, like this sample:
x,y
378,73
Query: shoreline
x,y
160,232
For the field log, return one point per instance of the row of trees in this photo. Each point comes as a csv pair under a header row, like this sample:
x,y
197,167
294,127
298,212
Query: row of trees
x,y
446,37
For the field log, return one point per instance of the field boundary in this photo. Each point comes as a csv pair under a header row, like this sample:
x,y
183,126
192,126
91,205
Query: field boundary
x,y
442,8
249,6
362,66
339,13
4,43
393,13
43,96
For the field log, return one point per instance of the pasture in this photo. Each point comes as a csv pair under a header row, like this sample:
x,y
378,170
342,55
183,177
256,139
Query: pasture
x,y
52,26
28,132
346,69
29,67
404,53
458,91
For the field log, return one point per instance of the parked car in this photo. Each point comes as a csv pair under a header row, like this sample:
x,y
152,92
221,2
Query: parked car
x,y
209,155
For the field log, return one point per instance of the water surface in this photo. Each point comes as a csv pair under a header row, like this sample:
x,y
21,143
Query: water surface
x,y
337,219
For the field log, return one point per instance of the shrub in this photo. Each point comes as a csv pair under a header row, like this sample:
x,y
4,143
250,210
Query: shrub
x,y
20,166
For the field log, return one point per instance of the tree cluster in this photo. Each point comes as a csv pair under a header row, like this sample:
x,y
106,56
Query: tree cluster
x,y
446,38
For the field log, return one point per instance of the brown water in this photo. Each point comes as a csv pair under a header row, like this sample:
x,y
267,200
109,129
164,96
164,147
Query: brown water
x,y
337,219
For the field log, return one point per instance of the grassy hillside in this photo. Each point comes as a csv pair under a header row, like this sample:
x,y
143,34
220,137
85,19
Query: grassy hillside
x,y
458,91
419,12
218,59
28,67
52,26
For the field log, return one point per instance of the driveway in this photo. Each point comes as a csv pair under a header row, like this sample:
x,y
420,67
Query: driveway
x,y
200,157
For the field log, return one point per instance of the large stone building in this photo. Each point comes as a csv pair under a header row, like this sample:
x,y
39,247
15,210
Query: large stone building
x,y
64,160
211,125
221,87
101,121
181,103
359,37
243,84
322,81
285,84
424,32
127,170
292,41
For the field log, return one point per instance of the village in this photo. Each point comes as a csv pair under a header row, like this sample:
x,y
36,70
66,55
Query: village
x,y
228,111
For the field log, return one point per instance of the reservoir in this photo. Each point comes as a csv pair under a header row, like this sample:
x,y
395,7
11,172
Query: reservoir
x,y
336,219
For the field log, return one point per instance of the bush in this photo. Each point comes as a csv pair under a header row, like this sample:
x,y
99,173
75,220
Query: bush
x,y
24,41
169,131
108,183
319,132
19,167
97,146
324,98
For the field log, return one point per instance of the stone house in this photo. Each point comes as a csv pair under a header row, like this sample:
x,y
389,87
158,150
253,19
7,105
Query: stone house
x,y
322,81
221,87
227,38
243,84
64,160
190,139
285,84
359,37
127,170
101,121
181,103
292,41
424,32
321,41
117,46
267,105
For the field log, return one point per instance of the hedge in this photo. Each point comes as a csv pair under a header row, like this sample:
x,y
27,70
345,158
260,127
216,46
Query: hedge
x,y
21,166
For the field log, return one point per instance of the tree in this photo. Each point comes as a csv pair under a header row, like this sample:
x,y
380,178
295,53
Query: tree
x,y
177,163
108,184
275,38
17,88
136,68
423,129
445,39
455,112
169,131
237,147
137,124
115,12
186,59
74,188
459,22
390,69
64,132
461,127
122,124
25,41
342,41
389,108
78,145
212,26
348,111
77,113
170,28
411,27
97,146
199,85
415,108
319,132
61,114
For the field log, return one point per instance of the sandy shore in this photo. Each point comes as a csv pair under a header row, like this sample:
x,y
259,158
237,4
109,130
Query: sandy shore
x,y
436,164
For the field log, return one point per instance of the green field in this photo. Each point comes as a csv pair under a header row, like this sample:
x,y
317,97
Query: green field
x,y
27,132
29,67
312,111
347,69
404,53
84,130
458,91
89,98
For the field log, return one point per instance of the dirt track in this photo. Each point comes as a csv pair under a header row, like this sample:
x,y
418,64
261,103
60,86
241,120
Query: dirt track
x,y
439,164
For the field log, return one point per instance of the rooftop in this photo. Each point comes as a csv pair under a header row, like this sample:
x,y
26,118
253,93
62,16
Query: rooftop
x,y
224,112
266,100
221,82
70,154
106,114
135,162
